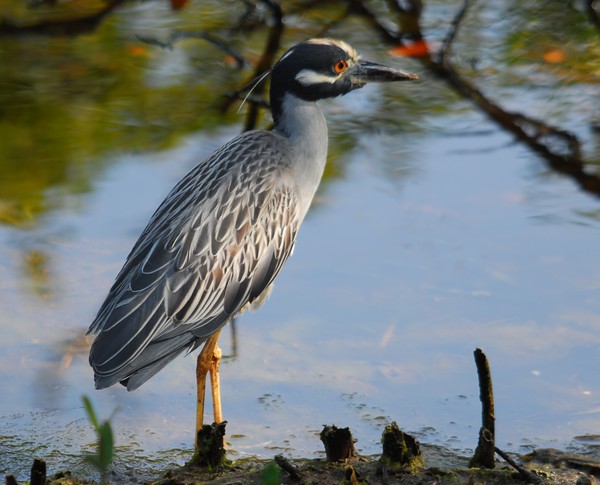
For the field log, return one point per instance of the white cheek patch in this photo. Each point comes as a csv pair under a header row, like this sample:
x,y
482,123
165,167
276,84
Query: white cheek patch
x,y
307,77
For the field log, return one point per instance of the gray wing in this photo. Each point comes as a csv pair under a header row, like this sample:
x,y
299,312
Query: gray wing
x,y
215,244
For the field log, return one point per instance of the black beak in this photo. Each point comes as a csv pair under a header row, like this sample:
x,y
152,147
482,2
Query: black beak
x,y
364,72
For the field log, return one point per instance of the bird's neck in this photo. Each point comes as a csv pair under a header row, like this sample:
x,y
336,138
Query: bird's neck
x,y
304,125
298,119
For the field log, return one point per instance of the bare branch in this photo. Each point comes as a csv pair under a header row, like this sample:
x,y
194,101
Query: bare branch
x,y
560,149
267,59
444,53
358,7
178,35
525,474
591,13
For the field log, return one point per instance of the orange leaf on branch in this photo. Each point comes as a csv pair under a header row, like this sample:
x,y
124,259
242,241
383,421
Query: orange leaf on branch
x,y
420,48
554,56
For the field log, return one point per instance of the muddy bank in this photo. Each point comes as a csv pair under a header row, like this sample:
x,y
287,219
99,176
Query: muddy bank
x,y
435,465
441,467
402,459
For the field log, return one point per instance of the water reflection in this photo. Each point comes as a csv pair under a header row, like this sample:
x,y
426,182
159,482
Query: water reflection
x,y
387,336
50,380
435,233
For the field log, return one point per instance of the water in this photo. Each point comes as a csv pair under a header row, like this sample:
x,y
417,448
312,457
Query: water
x,y
434,233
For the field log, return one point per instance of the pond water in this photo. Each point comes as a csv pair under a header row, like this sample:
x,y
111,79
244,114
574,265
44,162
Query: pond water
x,y
434,233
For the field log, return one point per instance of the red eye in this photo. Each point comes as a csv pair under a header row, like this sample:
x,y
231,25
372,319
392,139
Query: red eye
x,y
340,66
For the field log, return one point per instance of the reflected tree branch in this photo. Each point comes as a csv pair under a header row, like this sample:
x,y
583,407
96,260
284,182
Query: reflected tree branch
x,y
267,59
560,148
272,46
59,25
178,35
358,7
591,12
443,54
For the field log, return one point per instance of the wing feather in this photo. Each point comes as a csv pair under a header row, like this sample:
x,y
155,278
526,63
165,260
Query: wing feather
x,y
215,245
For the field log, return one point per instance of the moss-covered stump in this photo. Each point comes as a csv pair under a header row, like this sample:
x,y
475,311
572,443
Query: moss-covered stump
x,y
400,450
210,451
338,442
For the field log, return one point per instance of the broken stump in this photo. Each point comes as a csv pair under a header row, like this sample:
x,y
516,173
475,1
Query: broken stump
x,y
38,472
400,449
339,443
210,452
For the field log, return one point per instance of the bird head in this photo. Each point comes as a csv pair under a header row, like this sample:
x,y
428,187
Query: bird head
x,y
325,68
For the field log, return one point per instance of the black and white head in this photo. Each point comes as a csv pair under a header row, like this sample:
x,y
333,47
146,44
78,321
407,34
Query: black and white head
x,y
325,68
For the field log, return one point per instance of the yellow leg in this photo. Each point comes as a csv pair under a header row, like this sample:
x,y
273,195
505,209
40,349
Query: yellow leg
x,y
204,363
215,383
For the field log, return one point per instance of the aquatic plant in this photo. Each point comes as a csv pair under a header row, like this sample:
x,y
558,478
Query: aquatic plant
x,y
103,457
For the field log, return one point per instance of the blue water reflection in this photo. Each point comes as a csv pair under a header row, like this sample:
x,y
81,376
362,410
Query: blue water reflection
x,y
426,249
436,234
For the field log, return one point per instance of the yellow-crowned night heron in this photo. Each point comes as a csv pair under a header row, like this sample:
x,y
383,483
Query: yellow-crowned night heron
x,y
221,236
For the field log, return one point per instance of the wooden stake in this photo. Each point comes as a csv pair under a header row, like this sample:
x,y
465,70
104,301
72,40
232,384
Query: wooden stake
x,y
484,453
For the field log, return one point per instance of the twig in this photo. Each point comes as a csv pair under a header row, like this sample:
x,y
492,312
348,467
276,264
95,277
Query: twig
x,y
528,476
180,35
244,23
286,466
444,52
358,7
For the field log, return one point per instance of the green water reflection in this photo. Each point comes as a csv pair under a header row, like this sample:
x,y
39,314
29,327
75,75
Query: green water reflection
x,y
67,102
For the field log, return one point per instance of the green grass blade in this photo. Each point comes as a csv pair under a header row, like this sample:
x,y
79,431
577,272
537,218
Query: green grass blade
x,y
105,444
90,411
